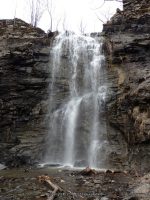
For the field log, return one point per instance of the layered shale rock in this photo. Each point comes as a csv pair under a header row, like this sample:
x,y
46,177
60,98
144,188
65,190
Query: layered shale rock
x,y
24,79
127,48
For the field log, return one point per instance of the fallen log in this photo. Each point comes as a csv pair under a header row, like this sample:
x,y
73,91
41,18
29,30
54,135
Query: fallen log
x,y
47,180
53,194
56,188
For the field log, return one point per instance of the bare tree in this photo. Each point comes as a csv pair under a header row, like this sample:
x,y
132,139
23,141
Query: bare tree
x,y
54,20
105,17
82,27
99,18
104,1
57,23
64,22
15,11
37,8
50,8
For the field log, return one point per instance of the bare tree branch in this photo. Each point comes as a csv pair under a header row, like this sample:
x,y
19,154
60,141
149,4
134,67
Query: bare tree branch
x,y
104,1
50,9
82,27
37,8
99,18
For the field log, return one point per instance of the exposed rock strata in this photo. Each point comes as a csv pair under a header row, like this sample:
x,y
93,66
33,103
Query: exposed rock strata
x,y
26,70
24,78
128,56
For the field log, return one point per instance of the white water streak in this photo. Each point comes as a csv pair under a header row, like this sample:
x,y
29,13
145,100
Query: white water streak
x,y
83,60
71,116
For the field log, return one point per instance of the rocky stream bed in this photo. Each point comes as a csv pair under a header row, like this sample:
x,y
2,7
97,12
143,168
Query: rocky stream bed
x,y
22,183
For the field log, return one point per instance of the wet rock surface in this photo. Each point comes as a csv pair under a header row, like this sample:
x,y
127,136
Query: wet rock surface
x,y
127,47
22,184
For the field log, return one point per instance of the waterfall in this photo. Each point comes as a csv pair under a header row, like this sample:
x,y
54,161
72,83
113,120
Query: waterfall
x,y
77,93
71,115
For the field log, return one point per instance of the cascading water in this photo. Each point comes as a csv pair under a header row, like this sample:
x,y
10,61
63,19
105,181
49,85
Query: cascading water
x,y
77,92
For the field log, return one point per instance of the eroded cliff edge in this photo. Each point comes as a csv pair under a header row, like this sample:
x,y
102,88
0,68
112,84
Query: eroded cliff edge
x,y
127,49
24,79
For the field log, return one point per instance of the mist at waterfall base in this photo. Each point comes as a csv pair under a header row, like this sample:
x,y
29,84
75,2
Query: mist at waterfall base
x,y
77,127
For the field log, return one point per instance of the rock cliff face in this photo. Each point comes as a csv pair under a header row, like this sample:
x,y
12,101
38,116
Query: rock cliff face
x,y
127,48
24,79
25,76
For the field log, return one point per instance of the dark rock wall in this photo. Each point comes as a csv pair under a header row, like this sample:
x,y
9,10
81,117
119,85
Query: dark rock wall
x,y
127,47
24,79
25,76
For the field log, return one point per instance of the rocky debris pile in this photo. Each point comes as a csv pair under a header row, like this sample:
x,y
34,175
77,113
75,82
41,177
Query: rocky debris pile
x,y
127,49
22,184
24,79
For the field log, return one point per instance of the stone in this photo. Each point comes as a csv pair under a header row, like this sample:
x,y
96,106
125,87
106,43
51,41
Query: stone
x,y
97,181
104,198
2,167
